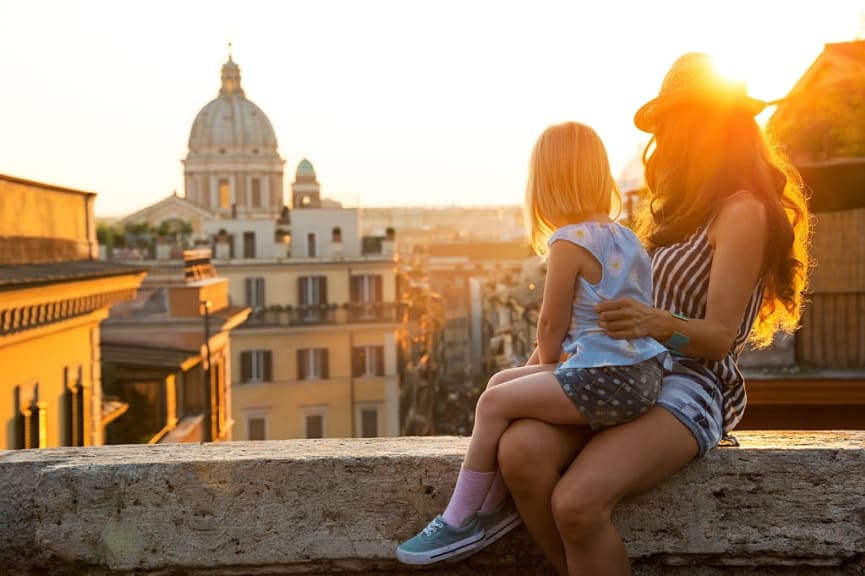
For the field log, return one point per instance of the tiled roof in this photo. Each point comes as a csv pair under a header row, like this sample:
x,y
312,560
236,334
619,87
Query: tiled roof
x,y
14,276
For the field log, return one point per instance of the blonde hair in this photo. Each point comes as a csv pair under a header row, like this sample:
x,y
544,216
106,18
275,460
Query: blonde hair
x,y
569,179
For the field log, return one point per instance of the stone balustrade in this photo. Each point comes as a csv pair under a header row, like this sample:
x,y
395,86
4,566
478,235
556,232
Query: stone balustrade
x,y
784,503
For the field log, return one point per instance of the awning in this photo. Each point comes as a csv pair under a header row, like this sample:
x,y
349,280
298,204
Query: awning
x,y
137,355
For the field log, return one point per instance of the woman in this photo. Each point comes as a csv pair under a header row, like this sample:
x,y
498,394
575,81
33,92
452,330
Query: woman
x,y
726,224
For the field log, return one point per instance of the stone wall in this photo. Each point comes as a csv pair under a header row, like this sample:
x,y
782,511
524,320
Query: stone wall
x,y
782,504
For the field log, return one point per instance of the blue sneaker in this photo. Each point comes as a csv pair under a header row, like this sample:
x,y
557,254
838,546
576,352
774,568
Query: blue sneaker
x,y
440,541
496,523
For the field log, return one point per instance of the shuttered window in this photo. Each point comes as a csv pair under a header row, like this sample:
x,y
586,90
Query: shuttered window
x,y
367,361
314,426
255,293
256,366
312,292
369,423
313,364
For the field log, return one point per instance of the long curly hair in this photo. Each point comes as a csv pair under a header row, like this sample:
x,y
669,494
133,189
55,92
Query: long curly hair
x,y
699,156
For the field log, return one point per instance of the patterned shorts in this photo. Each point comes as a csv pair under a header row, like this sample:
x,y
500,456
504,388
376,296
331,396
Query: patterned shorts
x,y
693,395
610,395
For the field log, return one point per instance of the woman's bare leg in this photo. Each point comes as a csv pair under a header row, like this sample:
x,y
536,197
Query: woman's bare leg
x,y
617,462
532,456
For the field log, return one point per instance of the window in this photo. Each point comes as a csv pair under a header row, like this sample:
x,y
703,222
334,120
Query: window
x,y
31,424
224,193
249,244
369,422
366,290
312,364
255,293
256,427
314,426
255,192
256,366
367,361
312,291
75,406
310,245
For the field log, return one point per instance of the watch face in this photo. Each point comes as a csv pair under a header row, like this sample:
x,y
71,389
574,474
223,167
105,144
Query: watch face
x,y
677,341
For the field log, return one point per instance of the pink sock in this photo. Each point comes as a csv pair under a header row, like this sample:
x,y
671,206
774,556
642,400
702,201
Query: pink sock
x,y
469,493
496,495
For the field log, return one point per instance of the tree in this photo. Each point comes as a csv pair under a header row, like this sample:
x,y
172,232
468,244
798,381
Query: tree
x,y
823,124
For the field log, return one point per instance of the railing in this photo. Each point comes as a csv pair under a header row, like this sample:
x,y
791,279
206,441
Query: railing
x,y
347,313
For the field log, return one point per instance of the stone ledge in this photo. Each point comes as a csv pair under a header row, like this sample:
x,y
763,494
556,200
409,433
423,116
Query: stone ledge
x,y
783,503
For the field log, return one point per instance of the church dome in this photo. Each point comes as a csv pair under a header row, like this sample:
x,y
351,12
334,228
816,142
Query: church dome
x,y
231,124
305,167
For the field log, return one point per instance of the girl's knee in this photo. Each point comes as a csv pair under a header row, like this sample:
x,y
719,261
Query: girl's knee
x,y
499,377
488,405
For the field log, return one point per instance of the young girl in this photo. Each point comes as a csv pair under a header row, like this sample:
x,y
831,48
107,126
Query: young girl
x,y
602,381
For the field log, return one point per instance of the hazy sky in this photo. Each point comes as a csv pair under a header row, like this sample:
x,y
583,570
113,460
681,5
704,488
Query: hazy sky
x,y
394,102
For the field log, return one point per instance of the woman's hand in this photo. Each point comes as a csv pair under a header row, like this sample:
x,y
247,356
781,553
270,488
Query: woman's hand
x,y
625,318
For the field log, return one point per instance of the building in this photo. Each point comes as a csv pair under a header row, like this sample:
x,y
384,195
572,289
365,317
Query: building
x,y
419,226
317,355
167,354
466,274
55,295
171,210
817,378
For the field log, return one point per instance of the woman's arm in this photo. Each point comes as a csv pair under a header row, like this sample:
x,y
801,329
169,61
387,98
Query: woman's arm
x,y
738,236
563,267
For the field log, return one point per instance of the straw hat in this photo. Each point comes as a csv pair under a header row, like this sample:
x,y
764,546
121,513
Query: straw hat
x,y
693,78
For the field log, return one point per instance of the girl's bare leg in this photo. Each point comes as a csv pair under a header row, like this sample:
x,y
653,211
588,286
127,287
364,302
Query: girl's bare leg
x,y
509,374
537,395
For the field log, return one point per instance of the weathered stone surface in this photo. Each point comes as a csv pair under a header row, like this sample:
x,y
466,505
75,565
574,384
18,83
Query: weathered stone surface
x,y
784,503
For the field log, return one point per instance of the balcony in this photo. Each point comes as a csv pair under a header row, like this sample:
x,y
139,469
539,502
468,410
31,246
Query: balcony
x,y
324,314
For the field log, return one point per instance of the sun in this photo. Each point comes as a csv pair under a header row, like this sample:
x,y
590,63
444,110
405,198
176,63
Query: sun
x,y
766,82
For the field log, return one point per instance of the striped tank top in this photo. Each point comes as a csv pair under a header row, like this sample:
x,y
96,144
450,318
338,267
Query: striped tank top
x,y
680,273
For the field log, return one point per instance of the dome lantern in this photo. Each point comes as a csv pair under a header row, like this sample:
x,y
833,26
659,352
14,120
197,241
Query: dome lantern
x,y
230,79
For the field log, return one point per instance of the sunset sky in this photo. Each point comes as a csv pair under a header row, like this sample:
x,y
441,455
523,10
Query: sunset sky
x,y
394,102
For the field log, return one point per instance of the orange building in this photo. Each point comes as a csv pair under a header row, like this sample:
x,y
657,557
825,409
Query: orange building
x,y
54,294
167,354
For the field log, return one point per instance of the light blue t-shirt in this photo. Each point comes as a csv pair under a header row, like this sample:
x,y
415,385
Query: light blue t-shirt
x,y
627,273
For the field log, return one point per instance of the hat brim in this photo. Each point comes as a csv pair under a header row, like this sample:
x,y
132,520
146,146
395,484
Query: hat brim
x,y
646,118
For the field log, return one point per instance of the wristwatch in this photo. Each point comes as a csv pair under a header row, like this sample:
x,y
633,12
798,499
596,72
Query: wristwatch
x,y
677,341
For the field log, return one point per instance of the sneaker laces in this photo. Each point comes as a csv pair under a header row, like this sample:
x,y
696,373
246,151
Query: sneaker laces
x,y
433,527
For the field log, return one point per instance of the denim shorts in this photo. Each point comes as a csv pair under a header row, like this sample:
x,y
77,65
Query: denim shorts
x,y
693,395
610,395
